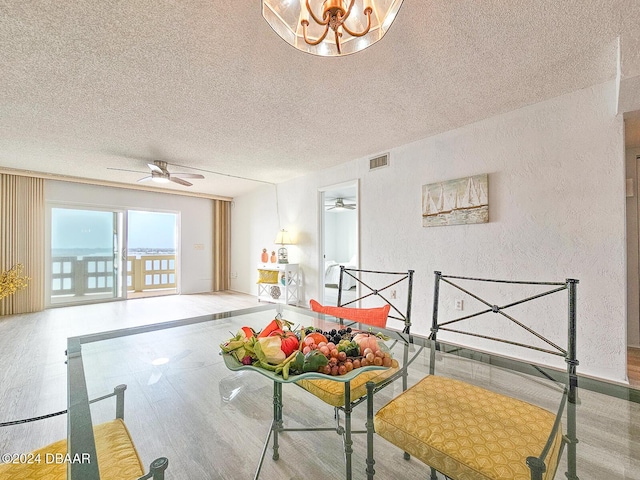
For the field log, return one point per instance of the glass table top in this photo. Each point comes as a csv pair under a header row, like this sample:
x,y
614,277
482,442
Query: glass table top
x,y
183,403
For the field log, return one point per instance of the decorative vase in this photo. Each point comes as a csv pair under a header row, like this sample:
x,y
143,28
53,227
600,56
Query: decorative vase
x,y
273,257
265,256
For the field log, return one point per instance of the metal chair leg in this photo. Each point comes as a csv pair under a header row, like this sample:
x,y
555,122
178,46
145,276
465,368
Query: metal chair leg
x,y
370,460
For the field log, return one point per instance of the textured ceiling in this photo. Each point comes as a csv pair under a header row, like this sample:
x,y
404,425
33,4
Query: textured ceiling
x,y
208,85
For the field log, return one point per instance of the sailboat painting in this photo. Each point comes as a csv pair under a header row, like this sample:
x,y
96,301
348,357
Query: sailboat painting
x,y
456,202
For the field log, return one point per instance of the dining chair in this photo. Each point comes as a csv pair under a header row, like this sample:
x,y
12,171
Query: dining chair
x,y
117,459
384,301
470,431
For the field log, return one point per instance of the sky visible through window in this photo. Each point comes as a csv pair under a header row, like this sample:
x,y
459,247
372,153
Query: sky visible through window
x,y
151,230
92,232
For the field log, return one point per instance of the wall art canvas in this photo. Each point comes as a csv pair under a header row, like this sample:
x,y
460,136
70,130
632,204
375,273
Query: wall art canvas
x,y
456,202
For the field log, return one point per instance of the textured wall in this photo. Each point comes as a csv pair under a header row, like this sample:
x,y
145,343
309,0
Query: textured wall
x,y
557,210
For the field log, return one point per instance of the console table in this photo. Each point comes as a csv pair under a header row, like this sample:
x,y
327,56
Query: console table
x,y
284,286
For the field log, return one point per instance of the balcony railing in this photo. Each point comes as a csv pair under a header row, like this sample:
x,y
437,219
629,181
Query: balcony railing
x,y
151,272
87,275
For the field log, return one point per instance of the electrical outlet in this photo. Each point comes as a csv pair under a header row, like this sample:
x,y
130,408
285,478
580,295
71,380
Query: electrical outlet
x,y
393,294
234,275
459,304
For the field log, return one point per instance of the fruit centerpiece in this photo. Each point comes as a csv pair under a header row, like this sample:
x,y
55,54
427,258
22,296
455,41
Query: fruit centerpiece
x,y
280,348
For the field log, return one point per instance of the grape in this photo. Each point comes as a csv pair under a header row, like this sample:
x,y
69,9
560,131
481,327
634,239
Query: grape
x,y
349,365
370,356
367,351
342,356
334,370
349,330
326,369
342,370
386,362
394,363
324,349
331,345
378,353
377,361
363,362
306,349
334,352
356,363
309,340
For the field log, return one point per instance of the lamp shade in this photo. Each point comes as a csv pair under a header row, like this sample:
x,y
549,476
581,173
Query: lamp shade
x,y
304,23
283,238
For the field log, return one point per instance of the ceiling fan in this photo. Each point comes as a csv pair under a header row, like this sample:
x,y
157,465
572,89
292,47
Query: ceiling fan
x,y
160,174
340,205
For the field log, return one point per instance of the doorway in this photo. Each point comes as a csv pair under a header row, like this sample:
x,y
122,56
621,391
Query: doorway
x,y
339,234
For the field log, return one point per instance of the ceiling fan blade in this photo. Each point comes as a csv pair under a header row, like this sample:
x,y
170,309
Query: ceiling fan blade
x,y
124,170
180,181
144,179
154,168
187,175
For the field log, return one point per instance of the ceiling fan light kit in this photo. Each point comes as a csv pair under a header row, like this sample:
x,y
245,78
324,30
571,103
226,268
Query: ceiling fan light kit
x,y
330,28
160,174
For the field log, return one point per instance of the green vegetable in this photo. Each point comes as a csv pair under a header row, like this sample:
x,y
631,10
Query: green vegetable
x,y
297,363
314,360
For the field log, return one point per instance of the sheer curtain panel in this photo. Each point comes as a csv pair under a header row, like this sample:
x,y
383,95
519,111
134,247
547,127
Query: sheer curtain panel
x,y
221,244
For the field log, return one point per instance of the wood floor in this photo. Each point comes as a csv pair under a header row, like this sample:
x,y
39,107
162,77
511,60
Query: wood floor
x,y
211,420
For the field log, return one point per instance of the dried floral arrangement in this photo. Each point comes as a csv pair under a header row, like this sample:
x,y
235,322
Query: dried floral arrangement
x,y
13,280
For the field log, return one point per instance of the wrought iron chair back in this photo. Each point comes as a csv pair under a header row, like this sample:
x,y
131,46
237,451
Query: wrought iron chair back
x,y
370,289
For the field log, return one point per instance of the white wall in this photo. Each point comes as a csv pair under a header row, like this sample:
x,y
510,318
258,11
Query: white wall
x,y
195,214
557,210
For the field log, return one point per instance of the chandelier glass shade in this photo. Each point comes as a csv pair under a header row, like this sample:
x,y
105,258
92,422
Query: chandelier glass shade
x,y
330,27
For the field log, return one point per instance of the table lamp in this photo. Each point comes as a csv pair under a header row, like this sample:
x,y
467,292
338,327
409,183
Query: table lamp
x,y
283,238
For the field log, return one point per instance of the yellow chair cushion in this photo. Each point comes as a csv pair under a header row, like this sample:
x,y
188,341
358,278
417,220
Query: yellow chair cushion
x,y
117,457
467,432
332,392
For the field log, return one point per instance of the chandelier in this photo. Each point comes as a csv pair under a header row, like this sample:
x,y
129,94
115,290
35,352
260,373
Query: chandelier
x,y
330,27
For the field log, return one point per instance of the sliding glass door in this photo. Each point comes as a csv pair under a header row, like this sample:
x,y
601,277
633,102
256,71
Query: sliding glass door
x,y
85,262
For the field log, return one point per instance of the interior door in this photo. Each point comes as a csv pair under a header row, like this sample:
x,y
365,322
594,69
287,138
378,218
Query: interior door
x,y
339,234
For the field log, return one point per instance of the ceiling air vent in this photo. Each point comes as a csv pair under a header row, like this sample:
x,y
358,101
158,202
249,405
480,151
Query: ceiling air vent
x,y
379,162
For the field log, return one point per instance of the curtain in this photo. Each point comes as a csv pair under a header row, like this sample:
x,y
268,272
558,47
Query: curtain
x,y
22,226
221,244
